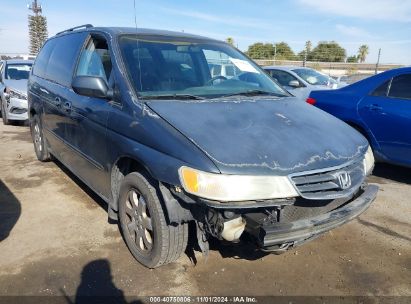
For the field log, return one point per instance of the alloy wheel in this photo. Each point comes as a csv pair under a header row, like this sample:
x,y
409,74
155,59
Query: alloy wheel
x,y
37,137
139,222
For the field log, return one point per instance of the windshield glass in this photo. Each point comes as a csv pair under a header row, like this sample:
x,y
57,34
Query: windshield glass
x,y
315,78
160,66
18,71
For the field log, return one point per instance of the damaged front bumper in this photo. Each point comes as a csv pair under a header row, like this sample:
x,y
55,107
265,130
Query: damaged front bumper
x,y
274,225
17,109
280,236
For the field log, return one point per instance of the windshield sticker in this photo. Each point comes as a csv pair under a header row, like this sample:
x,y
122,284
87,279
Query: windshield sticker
x,y
244,66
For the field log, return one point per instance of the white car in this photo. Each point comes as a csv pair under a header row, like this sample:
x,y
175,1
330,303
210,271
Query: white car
x,y
13,89
226,70
300,81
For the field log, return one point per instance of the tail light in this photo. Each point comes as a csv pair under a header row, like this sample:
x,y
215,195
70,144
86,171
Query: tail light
x,y
311,100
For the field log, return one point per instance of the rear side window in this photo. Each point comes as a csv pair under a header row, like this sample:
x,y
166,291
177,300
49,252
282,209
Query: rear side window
x,y
382,89
282,77
64,57
40,65
401,87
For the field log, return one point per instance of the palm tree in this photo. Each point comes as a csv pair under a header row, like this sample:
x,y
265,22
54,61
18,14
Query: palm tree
x,y
230,40
363,52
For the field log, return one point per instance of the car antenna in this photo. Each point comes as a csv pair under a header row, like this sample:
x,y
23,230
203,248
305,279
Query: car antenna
x,y
138,48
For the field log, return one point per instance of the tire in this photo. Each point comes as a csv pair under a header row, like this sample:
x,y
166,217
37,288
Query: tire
x,y
142,221
39,141
6,121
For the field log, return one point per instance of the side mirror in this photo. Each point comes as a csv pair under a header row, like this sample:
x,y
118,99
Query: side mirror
x,y
92,86
294,84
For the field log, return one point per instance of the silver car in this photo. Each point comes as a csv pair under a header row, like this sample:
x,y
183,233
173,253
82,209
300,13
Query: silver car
x,y
13,89
300,81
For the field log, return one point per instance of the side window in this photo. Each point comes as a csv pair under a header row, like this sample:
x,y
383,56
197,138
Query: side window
x,y
215,70
63,58
95,59
401,87
40,65
382,89
282,77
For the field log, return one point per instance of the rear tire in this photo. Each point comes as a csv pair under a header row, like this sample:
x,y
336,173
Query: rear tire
x,y
39,141
142,221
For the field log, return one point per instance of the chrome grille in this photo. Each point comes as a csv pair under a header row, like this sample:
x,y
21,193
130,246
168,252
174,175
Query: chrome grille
x,y
330,183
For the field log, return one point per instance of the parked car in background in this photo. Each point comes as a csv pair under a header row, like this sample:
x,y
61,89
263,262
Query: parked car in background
x,y
139,117
380,108
13,89
350,79
228,70
300,81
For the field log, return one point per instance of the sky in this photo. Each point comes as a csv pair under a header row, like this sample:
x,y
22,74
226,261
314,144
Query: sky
x,y
384,24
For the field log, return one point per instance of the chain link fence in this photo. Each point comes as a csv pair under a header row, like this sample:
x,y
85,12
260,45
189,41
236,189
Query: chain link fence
x,y
334,69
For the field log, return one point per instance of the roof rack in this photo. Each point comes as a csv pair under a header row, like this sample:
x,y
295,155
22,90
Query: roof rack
x,y
86,26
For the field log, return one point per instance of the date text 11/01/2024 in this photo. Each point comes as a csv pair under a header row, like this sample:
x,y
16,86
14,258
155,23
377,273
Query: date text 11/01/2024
x,y
203,299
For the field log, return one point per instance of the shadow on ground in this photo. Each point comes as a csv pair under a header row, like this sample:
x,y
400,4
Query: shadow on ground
x,y
392,172
10,210
97,286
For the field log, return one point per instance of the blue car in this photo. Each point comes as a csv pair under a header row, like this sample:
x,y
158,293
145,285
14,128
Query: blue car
x,y
380,108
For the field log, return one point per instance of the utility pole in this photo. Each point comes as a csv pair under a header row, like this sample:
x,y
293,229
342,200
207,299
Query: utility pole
x,y
378,61
275,51
35,7
305,58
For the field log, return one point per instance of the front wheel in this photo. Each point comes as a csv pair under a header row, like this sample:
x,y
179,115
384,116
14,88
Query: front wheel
x,y
39,141
149,238
6,121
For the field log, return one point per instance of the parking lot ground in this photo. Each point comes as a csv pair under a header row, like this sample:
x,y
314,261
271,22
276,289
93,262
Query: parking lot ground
x,y
55,240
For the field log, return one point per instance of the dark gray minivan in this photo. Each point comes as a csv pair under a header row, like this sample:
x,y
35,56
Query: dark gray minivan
x,y
144,120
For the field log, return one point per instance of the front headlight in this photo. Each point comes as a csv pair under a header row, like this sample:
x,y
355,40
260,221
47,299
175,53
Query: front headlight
x,y
16,94
368,161
222,187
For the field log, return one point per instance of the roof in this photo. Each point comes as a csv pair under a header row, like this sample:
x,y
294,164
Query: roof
x,y
285,67
139,31
18,61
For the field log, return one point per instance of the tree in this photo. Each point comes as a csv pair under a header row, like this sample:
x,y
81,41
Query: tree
x,y
352,59
37,33
261,50
363,52
230,40
284,51
327,52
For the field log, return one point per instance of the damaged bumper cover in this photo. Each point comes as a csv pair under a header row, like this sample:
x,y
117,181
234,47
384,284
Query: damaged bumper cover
x,y
283,235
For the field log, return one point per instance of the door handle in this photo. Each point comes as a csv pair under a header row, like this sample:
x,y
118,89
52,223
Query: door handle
x,y
374,107
67,106
57,102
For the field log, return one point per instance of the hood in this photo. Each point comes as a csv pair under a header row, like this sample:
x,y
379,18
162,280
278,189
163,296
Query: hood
x,y
19,85
321,87
263,135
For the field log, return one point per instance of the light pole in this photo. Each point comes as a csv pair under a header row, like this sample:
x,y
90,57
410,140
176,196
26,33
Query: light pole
x,y
378,61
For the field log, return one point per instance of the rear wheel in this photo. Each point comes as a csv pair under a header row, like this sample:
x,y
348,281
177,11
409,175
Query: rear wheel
x,y
149,238
39,141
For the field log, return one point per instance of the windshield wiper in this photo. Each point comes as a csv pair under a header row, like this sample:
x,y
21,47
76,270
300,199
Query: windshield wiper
x,y
172,96
254,93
